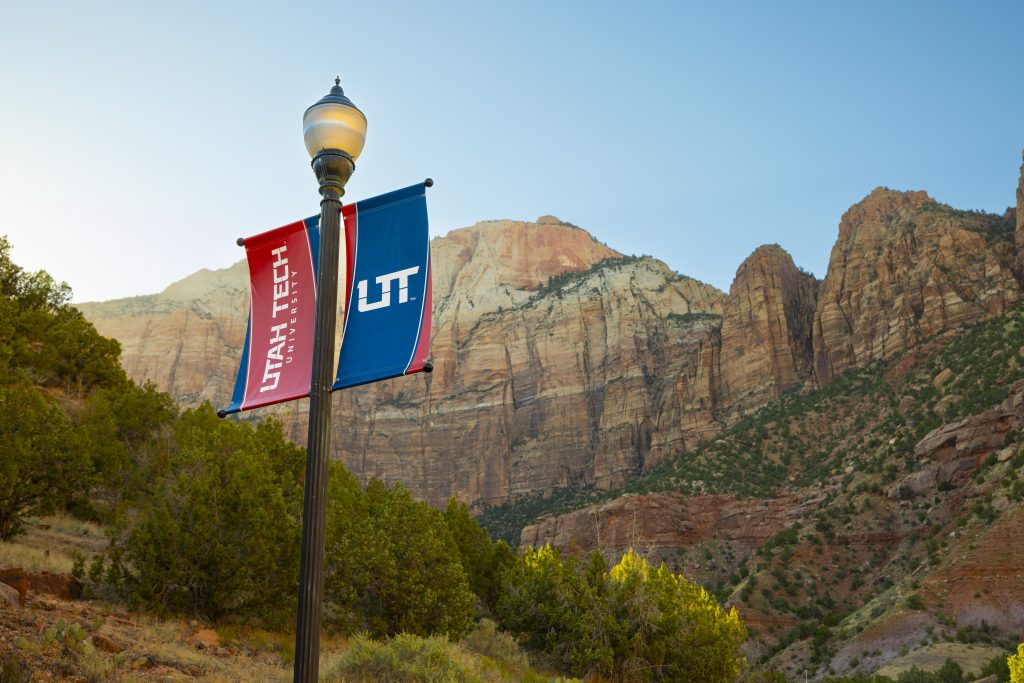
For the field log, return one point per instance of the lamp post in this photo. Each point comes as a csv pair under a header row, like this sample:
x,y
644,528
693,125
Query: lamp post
x,y
334,131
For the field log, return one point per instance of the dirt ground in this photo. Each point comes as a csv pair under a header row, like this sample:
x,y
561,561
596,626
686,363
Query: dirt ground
x,y
153,649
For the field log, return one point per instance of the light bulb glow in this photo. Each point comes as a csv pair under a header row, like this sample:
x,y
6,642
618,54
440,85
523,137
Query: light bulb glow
x,y
331,125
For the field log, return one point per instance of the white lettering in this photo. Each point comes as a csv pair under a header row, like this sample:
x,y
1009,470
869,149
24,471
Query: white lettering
x,y
280,280
272,370
385,289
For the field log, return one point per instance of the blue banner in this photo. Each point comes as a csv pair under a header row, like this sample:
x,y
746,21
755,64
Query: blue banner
x,y
387,315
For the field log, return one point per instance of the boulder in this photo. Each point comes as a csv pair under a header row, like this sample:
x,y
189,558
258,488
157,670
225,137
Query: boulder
x,y
63,586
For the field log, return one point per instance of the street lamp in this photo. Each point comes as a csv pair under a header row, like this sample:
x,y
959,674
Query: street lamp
x,y
334,131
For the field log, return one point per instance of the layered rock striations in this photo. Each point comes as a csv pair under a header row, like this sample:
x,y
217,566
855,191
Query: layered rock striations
x,y
558,362
669,521
1020,215
766,330
904,268
589,381
187,340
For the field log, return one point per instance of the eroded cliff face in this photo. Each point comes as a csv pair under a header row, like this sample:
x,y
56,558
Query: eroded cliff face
x,y
1020,215
558,362
666,522
588,382
766,331
904,268
186,340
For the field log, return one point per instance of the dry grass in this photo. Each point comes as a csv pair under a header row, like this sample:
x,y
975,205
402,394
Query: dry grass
x,y
51,544
971,658
155,649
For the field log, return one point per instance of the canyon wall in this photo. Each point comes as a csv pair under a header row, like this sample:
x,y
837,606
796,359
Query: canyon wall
x,y
560,362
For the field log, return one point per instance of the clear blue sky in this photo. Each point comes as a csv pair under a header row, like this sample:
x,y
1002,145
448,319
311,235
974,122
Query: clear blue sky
x,y
137,140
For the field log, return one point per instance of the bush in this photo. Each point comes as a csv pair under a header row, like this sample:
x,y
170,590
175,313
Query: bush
x,y
40,467
392,565
1016,665
482,560
635,622
220,535
488,641
406,658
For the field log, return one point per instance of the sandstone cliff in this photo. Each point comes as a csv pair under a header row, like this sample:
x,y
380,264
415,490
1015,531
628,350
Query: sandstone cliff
x,y
187,340
545,342
1020,215
904,268
587,382
664,522
561,363
766,330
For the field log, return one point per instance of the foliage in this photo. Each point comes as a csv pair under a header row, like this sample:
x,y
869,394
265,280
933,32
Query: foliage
x,y
695,316
392,565
63,402
416,659
64,636
635,621
485,639
220,534
44,338
482,560
558,285
1015,663
40,465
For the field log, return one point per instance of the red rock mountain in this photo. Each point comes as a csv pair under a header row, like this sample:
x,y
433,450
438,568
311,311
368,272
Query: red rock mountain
x,y
904,268
766,330
559,362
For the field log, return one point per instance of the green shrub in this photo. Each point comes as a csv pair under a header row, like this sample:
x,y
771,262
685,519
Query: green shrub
x,y
392,565
482,560
220,535
405,658
497,646
39,468
634,622
1015,663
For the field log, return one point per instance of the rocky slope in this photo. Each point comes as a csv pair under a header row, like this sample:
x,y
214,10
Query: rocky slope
x,y
878,524
904,268
547,342
544,341
1020,216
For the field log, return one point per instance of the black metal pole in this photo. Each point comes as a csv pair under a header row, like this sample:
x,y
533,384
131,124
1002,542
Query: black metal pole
x,y
333,170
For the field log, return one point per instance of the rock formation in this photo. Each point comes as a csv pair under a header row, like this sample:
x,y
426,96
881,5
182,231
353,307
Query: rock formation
x,y
559,362
545,341
186,340
668,521
1020,214
587,382
904,268
951,453
766,330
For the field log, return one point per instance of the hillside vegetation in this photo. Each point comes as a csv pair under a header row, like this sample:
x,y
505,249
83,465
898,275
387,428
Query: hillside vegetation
x,y
884,519
203,519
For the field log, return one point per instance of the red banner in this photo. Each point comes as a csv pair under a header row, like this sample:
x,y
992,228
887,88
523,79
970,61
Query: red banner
x,y
278,354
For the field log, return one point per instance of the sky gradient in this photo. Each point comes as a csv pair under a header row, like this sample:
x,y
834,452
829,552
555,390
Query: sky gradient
x,y
137,142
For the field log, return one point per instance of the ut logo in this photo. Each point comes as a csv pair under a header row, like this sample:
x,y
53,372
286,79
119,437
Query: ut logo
x,y
385,289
